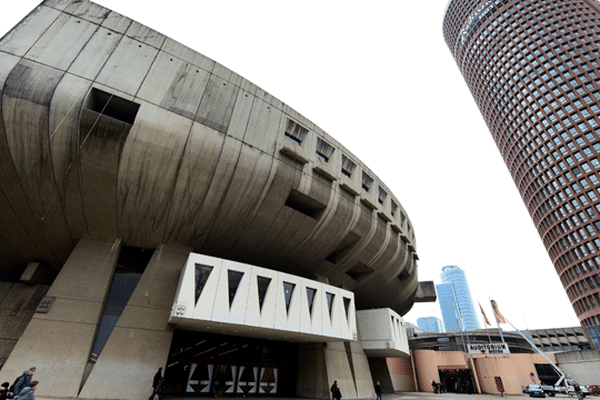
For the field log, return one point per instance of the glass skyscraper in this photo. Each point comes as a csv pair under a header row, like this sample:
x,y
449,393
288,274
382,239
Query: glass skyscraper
x,y
533,68
430,324
456,303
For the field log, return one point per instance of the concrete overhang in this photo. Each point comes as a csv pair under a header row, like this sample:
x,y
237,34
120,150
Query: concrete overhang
x,y
382,333
425,292
227,297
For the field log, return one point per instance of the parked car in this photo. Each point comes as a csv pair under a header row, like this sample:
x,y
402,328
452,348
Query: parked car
x,y
535,391
594,389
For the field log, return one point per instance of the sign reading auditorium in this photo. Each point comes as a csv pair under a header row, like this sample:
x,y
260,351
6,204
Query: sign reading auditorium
x,y
488,348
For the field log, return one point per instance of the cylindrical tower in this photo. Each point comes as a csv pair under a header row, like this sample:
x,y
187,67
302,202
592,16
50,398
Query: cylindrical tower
x,y
532,67
455,276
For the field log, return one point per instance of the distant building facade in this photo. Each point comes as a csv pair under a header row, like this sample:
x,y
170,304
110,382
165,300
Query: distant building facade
x,y
533,68
456,302
560,339
430,324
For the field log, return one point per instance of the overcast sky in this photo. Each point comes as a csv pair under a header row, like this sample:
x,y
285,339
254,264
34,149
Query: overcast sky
x,y
379,78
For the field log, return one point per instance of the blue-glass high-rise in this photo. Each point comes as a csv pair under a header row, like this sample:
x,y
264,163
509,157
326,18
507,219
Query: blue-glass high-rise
x,y
456,303
430,324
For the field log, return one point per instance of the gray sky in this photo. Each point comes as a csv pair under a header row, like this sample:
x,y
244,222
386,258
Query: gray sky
x,y
380,80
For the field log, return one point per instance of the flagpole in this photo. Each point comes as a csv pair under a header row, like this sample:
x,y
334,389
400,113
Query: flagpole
x,y
486,322
494,309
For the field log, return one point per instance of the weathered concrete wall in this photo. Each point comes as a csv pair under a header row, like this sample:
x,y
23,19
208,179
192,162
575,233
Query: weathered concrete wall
x,y
312,380
140,342
59,342
581,366
321,364
18,302
136,137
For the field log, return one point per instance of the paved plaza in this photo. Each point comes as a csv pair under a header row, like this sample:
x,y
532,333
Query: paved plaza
x,y
386,396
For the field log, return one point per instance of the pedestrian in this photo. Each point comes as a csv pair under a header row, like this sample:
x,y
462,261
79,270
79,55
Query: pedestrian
x,y
27,393
23,381
4,390
443,386
157,385
378,390
336,394
157,376
434,386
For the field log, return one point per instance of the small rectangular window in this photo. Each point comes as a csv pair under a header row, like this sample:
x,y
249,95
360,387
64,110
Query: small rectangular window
x,y
324,150
367,181
295,132
347,166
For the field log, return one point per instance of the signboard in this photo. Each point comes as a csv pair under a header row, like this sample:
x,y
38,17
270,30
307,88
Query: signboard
x,y
488,348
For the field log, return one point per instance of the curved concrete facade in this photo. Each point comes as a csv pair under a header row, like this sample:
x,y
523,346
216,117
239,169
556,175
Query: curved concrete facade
x,y
110,130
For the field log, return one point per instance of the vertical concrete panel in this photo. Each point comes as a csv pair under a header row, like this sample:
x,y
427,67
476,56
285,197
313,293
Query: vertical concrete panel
x,y
87,11
23,36
17,306
140,342
144,201
64,123
95,53
175,85
361,371
127,66
313,381
338,369
59,342
71,33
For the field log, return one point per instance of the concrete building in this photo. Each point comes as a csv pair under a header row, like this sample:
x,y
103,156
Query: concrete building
x,y
158,210
430,324
557,340
533,70
473,362
456,302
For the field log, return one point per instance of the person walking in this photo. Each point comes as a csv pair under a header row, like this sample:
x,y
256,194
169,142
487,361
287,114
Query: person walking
x,y
157,385
157,377
378,390
4,390
336,394
23,382
27,393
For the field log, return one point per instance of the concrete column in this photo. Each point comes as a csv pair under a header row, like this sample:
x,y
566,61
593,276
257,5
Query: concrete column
x,y
58,342
312,379
140,342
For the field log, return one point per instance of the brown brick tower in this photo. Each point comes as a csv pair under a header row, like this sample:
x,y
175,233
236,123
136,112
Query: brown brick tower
x,y
533,69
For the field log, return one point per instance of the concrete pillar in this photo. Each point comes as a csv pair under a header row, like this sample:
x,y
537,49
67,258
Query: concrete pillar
x,y
58,339
18,302
312,381
380,372
365,387
140,342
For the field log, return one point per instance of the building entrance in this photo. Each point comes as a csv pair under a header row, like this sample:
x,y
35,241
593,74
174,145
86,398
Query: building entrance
x,y
202,364
457,380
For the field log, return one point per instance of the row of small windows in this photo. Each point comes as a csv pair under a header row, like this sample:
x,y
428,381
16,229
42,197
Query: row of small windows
x,y
593,320
582,286
587,303
324,151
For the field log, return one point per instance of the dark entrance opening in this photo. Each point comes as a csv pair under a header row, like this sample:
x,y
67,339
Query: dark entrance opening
x,y
202,364
457,380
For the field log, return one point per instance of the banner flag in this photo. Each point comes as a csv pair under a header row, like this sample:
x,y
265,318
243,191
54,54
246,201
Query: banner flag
x,y
485,318
499,316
